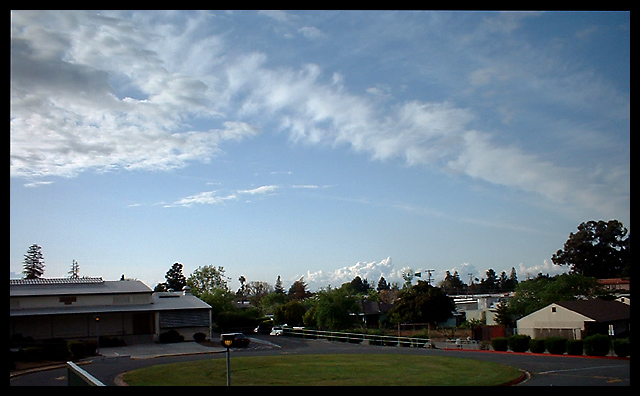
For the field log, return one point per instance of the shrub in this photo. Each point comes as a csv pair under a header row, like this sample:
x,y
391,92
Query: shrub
x,y
199,337
499,344
622,347
597,345
55,349
90,347
574,347
556,345
76,348
537,346
171,336
107,342
519,342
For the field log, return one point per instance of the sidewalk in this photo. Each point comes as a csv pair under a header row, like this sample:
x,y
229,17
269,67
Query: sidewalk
x,y
151,350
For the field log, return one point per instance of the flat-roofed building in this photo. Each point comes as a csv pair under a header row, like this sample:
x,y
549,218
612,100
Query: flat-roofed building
x,y
80,308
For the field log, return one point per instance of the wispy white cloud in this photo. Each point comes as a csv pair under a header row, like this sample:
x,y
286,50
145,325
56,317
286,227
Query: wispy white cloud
x,y
37,184
216,198
99,92
203,198
260,190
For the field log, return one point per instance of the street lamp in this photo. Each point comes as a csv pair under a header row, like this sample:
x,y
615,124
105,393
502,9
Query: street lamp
x,y
97,319
227,340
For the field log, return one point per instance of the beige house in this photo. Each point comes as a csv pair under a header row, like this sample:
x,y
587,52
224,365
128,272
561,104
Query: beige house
x,y
570,319
82,308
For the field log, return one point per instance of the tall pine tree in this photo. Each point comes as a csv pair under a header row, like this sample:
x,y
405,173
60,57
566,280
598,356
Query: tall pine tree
x,y
33,263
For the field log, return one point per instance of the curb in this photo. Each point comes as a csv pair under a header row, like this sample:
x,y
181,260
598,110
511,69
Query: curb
x,y
539,354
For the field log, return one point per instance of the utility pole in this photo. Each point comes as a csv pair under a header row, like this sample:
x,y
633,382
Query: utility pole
x,y
429,276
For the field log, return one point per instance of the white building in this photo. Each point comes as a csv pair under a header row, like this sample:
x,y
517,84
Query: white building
x,y
570,318
80,308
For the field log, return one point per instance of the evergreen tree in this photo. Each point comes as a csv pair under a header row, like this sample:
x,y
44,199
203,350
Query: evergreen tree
x,y
75,270
452,284
33,263
298,290
382,285
175,278
278,287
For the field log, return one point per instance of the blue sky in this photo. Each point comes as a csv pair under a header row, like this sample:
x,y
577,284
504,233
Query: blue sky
x,y
314,143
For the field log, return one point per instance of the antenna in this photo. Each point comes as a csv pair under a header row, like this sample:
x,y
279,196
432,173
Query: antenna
x,y
429,276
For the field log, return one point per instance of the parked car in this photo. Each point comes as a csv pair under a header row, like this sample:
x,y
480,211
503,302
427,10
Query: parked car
x,y
240,340
276,331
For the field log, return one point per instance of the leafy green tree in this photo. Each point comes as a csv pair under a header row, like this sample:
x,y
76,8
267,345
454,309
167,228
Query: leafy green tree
x,y
422,303
207,279
270,302
333,308
290,313
220,300
33,267
541,291
599,249
256,291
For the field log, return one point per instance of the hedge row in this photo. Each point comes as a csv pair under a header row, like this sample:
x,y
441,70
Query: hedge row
x,y
595,345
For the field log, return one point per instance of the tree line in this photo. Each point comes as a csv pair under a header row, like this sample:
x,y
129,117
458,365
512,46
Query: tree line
x,y
598,250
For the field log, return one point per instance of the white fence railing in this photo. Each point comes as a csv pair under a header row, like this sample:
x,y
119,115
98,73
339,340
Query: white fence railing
x,y
459,343
371,339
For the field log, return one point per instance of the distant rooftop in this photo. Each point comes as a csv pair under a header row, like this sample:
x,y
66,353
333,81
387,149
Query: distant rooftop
x,y
55,281
76,286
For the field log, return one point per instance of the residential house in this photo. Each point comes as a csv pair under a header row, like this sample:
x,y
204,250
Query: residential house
x,y
572,319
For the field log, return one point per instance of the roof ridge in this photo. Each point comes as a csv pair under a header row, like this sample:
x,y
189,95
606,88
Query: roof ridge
x,y
56,281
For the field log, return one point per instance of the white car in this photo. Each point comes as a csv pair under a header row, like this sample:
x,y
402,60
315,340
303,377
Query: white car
x,y
276,331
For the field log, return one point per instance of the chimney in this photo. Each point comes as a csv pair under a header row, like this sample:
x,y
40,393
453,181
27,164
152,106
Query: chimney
x,y
186,290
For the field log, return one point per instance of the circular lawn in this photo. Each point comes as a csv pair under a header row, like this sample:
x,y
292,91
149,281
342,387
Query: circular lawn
x,y
348,369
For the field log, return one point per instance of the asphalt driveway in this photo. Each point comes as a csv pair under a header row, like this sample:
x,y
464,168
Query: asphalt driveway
x,y
542,370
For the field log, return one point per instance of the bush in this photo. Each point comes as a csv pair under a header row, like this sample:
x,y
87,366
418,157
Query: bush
x,y
499,344
519,342
55,349
76,348
171,336
107,342
537,346
622,347
556,345
574,347
199,337
597,345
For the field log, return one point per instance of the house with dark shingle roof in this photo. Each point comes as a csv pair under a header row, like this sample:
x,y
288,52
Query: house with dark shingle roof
x,y
572,319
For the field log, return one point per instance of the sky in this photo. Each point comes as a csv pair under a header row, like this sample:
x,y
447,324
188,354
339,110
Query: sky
x,y
316,144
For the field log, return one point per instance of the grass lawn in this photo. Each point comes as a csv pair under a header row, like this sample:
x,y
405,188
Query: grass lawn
x,y
351,369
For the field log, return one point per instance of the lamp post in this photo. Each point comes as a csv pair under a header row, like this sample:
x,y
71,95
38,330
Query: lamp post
x,y
97,319
227,340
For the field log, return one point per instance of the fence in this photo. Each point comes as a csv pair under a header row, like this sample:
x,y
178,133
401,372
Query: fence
x,y
371,339
78,377
462,344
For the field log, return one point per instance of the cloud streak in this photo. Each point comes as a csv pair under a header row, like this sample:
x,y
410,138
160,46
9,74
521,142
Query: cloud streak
x,y
93,92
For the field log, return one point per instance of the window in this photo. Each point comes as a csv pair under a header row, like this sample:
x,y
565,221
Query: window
x,y
553,309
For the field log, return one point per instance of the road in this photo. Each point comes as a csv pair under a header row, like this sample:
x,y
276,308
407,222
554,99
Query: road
x,y
542,370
